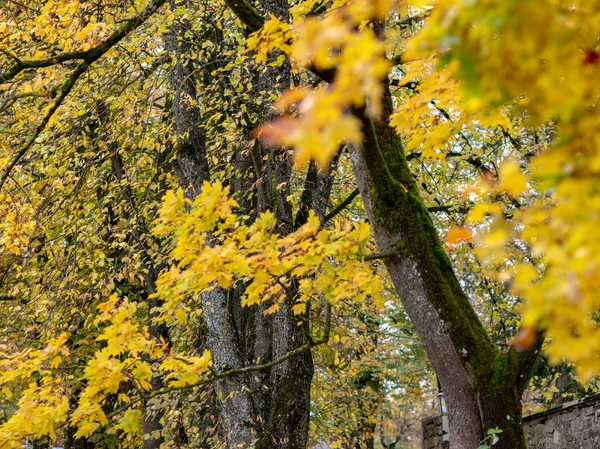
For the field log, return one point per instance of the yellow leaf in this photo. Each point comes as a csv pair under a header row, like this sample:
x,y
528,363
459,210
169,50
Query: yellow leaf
x,y
299,309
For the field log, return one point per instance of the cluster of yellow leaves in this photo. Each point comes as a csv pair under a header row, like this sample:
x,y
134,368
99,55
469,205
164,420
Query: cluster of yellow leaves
x,y
215,248
128,356
559,284
125,357
183,372
274,35
72,24
540,49
433,118
58,26
544,57
43,403
343,38
16,226
565,299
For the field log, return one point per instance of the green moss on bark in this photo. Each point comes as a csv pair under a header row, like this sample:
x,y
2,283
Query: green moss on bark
x,y
399,210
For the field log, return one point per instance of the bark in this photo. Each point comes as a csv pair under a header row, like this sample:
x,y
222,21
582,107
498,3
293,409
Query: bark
x,y
288,412
270,408
237,412
481,383
225,321
289,409
192,166
79,443
316,193
152,426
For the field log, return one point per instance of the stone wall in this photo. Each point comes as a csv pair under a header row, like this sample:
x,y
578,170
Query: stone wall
x,y
433,433
575,425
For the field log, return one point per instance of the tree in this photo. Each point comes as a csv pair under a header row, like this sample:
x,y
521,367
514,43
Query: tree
x,y
251,338
226,255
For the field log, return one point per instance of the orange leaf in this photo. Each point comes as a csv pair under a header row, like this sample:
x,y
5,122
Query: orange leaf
x,y
524,339
457,234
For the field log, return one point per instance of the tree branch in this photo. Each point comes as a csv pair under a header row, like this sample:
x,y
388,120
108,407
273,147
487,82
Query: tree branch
x,y
64,91
306,200
447,209
377,256
246,13
340,207
472,160
89,57
526,359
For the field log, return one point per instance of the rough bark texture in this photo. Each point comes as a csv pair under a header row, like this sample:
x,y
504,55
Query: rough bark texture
x,y
192,166
316,193
480,383
289,416
270,408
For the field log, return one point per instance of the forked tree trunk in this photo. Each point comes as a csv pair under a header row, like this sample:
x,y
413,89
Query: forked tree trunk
x,y
270,408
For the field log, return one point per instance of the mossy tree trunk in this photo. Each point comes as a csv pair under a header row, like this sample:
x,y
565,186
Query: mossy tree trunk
x,y
482,384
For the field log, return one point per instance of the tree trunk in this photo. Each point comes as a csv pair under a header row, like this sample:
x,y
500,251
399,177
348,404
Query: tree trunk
x,y
152,426
79,443
482,385
192,166
270,408
288,419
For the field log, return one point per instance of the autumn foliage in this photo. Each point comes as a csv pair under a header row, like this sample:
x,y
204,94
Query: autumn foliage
x,y
107,255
